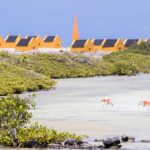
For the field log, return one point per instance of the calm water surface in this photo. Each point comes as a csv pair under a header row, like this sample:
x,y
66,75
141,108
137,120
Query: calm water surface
x,y
74,106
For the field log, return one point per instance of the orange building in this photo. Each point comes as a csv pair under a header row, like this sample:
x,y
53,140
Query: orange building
x,y
98,43
11,41
130,42
75,30
113,45
38,40
82,46
26,44
2,42
52,42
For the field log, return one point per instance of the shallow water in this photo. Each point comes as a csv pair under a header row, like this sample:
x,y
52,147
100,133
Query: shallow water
x,y
74,106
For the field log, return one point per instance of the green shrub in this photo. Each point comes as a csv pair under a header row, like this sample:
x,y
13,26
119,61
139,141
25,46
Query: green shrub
x,y
43,136
125,68
63,65
15,79
143,48
128,63
13,116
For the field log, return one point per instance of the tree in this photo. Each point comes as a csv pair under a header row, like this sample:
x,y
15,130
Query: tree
x,y
14,115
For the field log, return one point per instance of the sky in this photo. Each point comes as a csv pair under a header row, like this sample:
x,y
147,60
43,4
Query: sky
x,y
96,18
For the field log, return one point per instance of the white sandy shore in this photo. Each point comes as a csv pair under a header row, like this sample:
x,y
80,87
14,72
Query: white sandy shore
x,y
97,54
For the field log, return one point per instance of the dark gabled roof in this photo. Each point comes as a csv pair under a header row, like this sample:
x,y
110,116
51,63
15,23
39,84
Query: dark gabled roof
x,y
11,39
110,43
79,44
30,37
98,41
49,39
131,42
23,42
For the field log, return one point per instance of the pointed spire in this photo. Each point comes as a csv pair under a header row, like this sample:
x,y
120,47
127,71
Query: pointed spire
x,y
75,30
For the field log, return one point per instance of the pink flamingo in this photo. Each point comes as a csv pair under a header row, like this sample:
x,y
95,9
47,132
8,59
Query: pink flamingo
x,y
145,103
107,102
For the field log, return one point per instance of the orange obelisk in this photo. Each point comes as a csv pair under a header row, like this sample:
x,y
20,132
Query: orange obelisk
x,y
75,30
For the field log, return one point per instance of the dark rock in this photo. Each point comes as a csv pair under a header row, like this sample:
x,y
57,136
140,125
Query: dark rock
x,y
145,141
125,138
110,142
116,141
71,142
79,142
30,144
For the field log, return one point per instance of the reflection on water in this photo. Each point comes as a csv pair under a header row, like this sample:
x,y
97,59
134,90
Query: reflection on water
x,y
75,106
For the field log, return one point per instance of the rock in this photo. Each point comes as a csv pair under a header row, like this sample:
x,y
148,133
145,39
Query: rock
x,y
110,142
116,141
77,144
30,144
145,141
125,138
72,142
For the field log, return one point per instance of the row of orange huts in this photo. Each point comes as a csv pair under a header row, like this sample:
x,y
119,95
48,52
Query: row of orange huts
x,y
30,42
36,42
104,44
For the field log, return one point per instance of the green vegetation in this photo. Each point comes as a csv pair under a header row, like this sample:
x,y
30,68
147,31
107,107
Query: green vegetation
x,y
14,79
129,62
143,48
14,131
30,72
63,65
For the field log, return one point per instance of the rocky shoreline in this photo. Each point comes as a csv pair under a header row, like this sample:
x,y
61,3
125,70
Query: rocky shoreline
x,y
110,143
107,143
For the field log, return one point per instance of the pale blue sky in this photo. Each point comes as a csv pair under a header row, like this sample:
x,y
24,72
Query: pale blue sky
x,y
96,18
